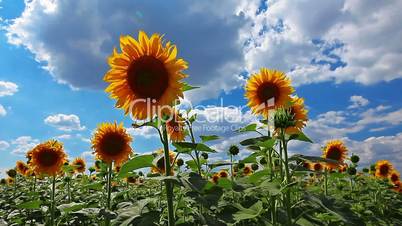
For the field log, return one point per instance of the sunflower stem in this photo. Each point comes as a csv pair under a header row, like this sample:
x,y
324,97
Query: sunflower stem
x,y
326,181
109,185
287,178
168,183
53,204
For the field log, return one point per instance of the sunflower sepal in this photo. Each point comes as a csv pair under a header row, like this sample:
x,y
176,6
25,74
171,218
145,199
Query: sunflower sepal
x,y
300,137
186,87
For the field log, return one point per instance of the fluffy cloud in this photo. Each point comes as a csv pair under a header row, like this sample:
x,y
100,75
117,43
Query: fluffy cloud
x,y
344,39
358,101
89,34
64,122
4,145
146,132
23,144
7,88
3,111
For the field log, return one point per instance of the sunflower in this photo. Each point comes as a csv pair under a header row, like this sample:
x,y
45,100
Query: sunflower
x,y
131,179
145,70
394,176
160,164
383,169
307,165
175,128
215,178
48,158
247,170
317,166
299,115
21,167
223,174
335,150
10,180
268,90
117,168
79,165
111,143
342,168
28,155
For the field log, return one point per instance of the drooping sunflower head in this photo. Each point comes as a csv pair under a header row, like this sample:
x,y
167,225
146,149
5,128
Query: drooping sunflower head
x,y
175,128
21,167
111,143
394,176
159,167
335,150
146,69
383,168
79,165
48,158
299,113
223,174
268,90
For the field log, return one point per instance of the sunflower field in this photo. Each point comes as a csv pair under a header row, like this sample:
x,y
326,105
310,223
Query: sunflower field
x,y
180,184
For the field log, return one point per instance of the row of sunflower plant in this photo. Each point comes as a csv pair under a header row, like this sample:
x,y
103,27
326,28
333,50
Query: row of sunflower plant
x,y
180,184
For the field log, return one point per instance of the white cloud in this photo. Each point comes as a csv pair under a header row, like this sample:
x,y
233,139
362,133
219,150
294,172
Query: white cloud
x,y
146,132
3,111
64,137
64,122
4,145
23,144
89,34
358,101
8,88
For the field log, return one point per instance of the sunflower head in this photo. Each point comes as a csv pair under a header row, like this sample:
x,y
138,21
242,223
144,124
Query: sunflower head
x,y
317,166
342,168
21,167
28,155
268,90
335,150
307,165
131,179
175,128
215,178
10,180
247,170
111,143
223,174
48,158
146,69
383,169
3,181
394,176
79,165
117,168
159,166
11,173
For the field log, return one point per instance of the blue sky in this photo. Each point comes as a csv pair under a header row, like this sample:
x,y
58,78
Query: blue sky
x,y
342,60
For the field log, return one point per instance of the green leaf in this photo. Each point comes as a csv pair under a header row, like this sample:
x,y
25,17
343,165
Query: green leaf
x,y
274,188
218,164
248,213
257,176
195,146
253,141
153,123
71,207
225,183
209,138
301,137
94,186
30,205
311,159
193,165
187,87
251,158
267,143
135,163
248,128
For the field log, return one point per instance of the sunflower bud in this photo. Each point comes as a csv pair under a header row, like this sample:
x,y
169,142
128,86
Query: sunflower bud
x,y
372,167
140,173
254,166
240,165
204,155
263,161
180,162
234,150
352,171
354,158
365,170
91,169
11,173
283,118
3,181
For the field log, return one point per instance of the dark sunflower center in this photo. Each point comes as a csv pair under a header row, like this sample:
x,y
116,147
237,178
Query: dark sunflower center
x,y
394,177
384,169
48,158
113,144
267,91
317,166
334,153
161,164
80,165
148,77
